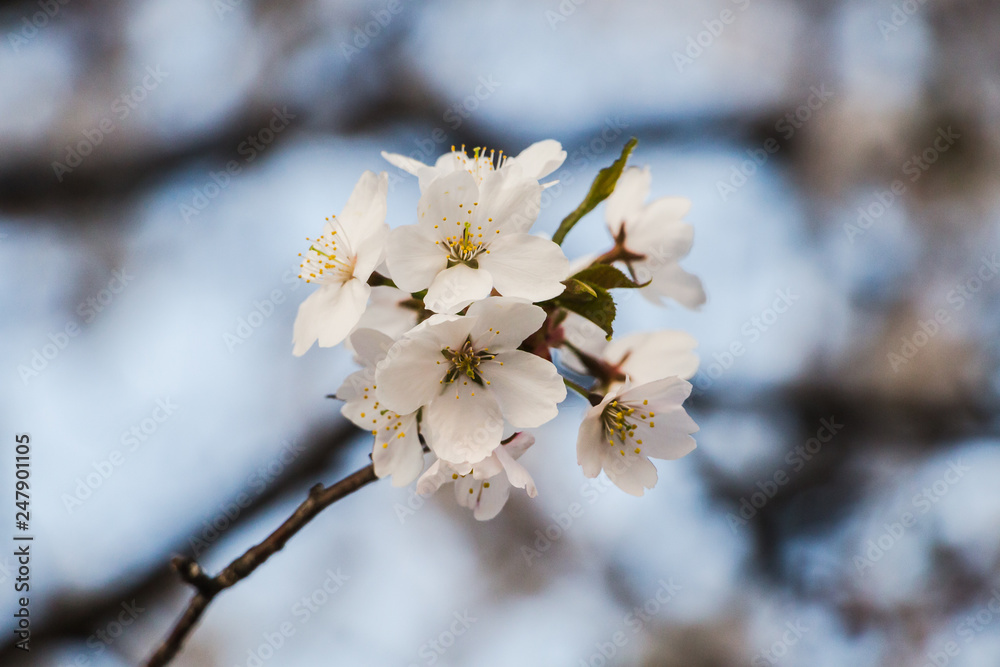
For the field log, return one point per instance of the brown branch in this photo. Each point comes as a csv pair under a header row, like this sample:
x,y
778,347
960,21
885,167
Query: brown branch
x,y
320,498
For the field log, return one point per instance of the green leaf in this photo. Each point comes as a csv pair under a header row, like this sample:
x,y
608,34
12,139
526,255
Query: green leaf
x,y
606,276
602,186
576,287
599,308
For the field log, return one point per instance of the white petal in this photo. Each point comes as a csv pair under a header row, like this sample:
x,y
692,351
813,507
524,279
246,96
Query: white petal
x,y
398,452
410,377
407,164
631,472
437,475
670,439
502,323
328,315
352,389
370,252
488,467
540,158
455,288
484,501
654,355
517,474
662,427
527,386
386,314
519,444
659,240
666,209
449,162
364,213
447,203
670,280
508,202
627,200
491,499
591,440
444,330
413,259
370,347
361,404
464,423
527,267
660,394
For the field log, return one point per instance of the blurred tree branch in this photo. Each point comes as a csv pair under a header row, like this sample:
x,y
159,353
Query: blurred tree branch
x,y
79,617
320,497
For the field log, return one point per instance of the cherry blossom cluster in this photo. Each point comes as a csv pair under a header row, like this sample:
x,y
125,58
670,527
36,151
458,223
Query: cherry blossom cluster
x,y
469,328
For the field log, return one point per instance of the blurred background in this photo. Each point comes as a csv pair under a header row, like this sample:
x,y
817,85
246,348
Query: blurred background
x,y
161,162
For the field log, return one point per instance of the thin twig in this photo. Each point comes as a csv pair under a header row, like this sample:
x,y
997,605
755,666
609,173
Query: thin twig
x,y
320,498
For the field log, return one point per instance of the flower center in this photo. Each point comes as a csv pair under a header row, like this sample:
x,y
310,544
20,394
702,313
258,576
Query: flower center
x,y
616,423
324,263
465,248
479,164
465,362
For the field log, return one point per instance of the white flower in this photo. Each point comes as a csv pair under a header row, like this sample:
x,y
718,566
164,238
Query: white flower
x,y
341,260
471,238
630,425
535,162
641,357
468,375
654,238
485,487
397,449
390,311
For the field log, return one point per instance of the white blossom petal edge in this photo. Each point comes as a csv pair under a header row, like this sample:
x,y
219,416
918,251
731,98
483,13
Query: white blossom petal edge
x,y
630,425
656,234
535,162
341,260
397,450
485,487
641,357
